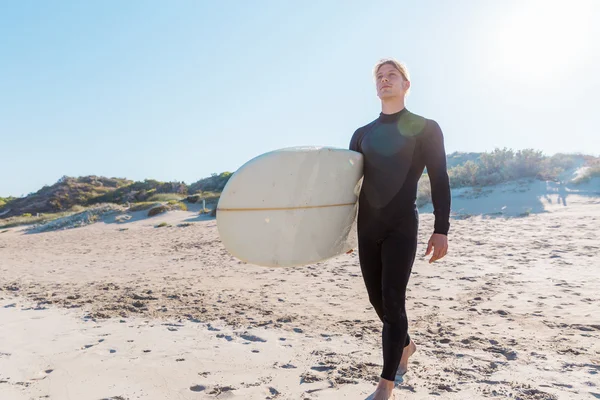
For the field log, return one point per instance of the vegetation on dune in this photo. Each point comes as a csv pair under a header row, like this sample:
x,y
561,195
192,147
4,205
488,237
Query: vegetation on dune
x,y
74,220
459,158
423,191
143,206
5,200
82,192
204,211
209,189
214,183
199,196
32,220
505,165
158,210
75,195
143,191
62,196
166,197
177,206
592,170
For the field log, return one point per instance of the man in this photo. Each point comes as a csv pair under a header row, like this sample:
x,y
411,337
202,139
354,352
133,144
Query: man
x,y
397,147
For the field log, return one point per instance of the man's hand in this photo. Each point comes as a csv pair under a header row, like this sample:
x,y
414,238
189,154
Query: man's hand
x,y
439,244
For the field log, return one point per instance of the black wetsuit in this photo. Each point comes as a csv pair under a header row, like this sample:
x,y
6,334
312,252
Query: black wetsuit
x,y
396,149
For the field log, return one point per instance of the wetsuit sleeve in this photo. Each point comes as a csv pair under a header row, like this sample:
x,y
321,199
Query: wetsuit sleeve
x,y
434,154
355,141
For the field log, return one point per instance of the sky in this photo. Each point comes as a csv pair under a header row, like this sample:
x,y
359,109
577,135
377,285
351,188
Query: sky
x,y
176,91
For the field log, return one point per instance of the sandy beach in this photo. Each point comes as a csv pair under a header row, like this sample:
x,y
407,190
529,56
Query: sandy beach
x,y
131,132
130,311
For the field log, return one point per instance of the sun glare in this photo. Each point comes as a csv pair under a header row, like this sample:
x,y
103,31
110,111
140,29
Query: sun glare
x,y
541,41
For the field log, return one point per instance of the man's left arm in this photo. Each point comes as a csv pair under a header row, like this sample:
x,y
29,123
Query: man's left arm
x,y
435,161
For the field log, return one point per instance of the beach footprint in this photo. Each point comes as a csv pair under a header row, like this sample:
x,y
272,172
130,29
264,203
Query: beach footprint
x,y
273,393
198,388
222,392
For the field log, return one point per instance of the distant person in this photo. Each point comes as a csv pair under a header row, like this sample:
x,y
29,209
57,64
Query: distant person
x,y
562,193
397,146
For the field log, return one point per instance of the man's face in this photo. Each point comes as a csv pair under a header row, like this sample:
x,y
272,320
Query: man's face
x,y
390,82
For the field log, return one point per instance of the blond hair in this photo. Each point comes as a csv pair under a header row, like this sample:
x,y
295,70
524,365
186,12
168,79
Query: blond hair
x,y
400,66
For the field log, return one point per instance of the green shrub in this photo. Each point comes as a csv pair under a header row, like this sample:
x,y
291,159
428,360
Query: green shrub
x,y
26,215
5,200
215,183
209,195
161,225
74,220
592,171
464,175
142,191
526,163
142,206
40,219
166,197
157,210
77,208
553,167
178,206
504,165
193,199
458,158
423,191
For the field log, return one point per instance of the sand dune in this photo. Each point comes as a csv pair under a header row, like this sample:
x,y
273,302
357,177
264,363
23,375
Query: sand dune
x,y
130,311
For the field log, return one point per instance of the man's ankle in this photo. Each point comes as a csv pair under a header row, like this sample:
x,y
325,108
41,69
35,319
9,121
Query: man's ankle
x,y
386,382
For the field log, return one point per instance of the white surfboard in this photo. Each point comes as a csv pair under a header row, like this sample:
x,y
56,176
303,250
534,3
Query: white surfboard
x,y
292,207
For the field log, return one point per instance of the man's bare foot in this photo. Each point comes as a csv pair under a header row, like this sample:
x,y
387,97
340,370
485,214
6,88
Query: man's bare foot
x,y
384,390
406,353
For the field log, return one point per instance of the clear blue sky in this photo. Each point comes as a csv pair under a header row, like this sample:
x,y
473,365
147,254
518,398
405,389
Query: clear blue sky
x,y
179,90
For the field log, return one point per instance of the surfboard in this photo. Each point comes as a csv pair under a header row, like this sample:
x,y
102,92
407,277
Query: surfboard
x,y
291,207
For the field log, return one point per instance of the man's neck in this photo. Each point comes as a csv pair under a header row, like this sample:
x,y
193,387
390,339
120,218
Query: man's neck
x,y
392,106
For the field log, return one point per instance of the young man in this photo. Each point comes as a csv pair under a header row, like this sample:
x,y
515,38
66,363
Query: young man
x,y
397,147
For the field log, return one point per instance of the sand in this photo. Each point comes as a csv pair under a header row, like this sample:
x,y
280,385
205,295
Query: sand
x,y
131,311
